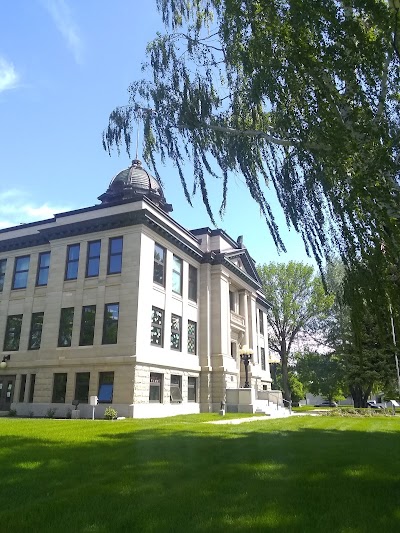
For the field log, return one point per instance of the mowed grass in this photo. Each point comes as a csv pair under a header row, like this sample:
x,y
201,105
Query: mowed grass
x,y
302,474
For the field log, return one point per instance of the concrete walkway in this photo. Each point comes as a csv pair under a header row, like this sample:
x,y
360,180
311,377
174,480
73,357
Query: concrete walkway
x,y
235,421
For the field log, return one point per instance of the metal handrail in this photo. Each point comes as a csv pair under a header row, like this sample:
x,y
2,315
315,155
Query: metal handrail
x,y
290,404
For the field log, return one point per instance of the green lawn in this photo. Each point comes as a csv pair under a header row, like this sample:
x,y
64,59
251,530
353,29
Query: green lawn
x,y
302,474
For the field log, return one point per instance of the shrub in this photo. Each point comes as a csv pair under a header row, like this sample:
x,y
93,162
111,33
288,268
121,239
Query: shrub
x,y
51,412
12,412
354,413
110,413
68,413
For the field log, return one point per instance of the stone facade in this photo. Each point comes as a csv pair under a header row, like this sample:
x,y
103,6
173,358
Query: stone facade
x,y
209,303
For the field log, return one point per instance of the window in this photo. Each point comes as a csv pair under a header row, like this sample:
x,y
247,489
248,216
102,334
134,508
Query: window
x,y
72,264
192,292
262,351
82,387
192,389
177,275
22,388
35,335
157,326
155,394
93,259
43,269
176,332
87,325
232,301
110,325
115,255
159,264
106,387
192,337
3,264
32,388
21,271
261,321
233,349
66,323
13,333
176,389
59,388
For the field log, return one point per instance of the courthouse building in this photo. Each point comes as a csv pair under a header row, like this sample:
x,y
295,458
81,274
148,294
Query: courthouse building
x,y
119,301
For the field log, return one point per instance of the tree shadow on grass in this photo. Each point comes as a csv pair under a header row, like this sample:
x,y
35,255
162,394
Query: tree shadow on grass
x,y
178,478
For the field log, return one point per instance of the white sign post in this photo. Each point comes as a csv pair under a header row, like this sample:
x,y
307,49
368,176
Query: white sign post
x,y
93,402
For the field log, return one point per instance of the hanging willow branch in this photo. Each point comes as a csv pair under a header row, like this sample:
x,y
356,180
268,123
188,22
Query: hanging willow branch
x,y
299,96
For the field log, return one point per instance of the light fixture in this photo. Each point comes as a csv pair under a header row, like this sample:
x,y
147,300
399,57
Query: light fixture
x,y
246,354
3,363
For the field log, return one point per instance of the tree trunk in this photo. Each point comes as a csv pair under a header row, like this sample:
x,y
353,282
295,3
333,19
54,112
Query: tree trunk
x,y
287,395
360,396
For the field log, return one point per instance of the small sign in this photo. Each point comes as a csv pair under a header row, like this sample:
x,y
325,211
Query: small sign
x,y
394,403
93,400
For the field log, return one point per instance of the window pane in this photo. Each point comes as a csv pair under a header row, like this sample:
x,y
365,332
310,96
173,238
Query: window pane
x,y
159,265
22,263
93,259
66,323
35,337
192,292
44,259
87,325
20,280
93,267
22,388
192,337
110,326
21,272
59,388
115,255
73,252
157,326
192,389
3,264
116,245
106,387
177,275
115,264
155,387
263,367
43,268
32,388
176,389
94,248
71,269
176,332
13,332
82,387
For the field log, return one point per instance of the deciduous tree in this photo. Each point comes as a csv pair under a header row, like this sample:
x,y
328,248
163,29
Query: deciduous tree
x,y
298,304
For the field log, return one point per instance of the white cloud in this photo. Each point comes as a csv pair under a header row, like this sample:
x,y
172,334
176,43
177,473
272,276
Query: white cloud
x,y
16,208
8,76
63,19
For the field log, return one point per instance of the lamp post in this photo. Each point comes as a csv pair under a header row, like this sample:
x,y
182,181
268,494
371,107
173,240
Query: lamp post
x,y
246,354
3,363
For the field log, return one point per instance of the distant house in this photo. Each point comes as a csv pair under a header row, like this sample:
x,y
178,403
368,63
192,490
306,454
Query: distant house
x,y
119,301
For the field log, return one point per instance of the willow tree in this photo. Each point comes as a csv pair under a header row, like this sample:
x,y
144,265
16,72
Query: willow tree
x,y
296,95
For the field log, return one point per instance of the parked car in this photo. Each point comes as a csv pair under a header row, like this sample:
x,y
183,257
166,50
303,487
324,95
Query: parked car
x,y
326,403
373,405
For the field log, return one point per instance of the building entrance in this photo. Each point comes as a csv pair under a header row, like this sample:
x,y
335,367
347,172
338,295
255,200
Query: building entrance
x,y
6,392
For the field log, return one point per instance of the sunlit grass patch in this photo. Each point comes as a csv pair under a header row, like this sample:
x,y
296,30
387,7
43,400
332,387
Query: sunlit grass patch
x,y
178,474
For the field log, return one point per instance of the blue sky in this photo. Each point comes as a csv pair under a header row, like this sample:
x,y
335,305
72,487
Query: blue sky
x,y
64,66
